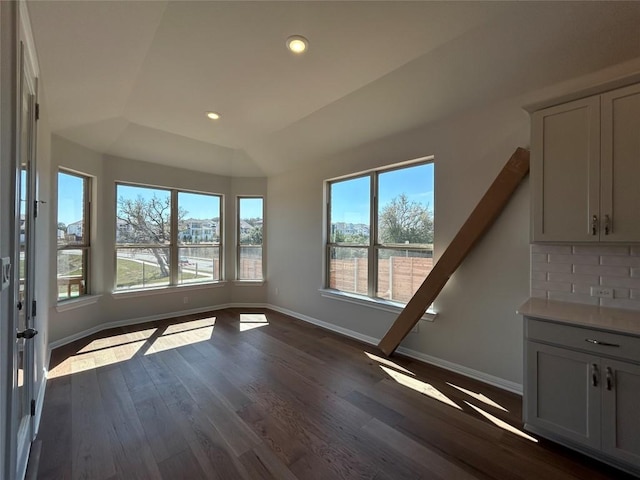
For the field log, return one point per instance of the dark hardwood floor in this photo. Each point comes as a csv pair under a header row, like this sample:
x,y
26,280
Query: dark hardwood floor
x,y
254,394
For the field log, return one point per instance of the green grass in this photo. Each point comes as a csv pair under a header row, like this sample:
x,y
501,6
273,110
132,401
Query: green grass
x,y
129,273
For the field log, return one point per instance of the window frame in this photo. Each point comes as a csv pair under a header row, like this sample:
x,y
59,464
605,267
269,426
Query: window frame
x,y
373,247
239,245
87,191
173,246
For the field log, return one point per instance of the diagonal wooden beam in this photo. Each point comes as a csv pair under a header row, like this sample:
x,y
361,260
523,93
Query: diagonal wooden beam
x,y
482,217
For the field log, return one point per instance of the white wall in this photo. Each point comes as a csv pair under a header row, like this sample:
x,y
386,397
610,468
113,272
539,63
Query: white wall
x,y
477,326
109,308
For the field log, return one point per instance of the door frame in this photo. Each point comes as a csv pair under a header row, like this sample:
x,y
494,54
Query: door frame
x,y
24,427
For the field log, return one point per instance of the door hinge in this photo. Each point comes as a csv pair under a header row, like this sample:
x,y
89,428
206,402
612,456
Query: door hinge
x,y
33,308
33,407
35,209
37,112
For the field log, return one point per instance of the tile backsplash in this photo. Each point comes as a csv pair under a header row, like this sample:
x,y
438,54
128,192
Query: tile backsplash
x,y
567,273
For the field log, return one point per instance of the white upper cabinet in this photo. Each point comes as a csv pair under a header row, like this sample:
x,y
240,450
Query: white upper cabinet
x,y
620,165
585,169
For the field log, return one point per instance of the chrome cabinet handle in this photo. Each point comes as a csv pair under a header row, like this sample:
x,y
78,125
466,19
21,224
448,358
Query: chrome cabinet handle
x,y
594,374
598,342
594,225
609,378
607,224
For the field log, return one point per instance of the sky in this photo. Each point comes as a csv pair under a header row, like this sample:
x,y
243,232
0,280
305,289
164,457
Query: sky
x,y
197,205
350,198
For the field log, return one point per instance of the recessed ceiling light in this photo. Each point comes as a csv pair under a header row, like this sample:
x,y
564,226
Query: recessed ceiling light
x,y
297,44
213,115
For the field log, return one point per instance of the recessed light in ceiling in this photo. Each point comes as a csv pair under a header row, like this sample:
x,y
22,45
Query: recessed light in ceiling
x,y
213,115
297,44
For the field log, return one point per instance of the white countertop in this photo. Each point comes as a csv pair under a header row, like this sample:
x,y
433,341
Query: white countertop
x,y
604,318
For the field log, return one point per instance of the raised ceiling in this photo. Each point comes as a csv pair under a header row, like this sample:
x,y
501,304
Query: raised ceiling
x,y
135,79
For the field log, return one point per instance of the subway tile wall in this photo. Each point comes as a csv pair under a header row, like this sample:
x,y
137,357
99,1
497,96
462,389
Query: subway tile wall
x,y
567,273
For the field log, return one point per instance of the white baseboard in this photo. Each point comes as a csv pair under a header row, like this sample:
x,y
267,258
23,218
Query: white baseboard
x,y
328,326
438,362
462,370
135,321
42,386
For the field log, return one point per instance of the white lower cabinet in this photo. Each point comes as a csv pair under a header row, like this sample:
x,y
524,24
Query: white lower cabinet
x,y
582,389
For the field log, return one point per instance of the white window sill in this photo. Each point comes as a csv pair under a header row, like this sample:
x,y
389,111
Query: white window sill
x,y
77,302
249,283
122,294
378,304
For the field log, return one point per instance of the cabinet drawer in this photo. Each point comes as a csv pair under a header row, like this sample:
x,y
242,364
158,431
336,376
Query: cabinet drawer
x,y
584,339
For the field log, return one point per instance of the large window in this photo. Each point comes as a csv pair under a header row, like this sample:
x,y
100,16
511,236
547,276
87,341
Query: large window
x,y
250,230
166,237
380,232
73,235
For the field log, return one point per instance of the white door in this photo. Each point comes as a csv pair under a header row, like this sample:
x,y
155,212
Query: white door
x,y
23,355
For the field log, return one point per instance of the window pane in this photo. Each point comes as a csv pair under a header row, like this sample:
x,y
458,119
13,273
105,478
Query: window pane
x,y
250,221
348,269
250,230
142,268
405,206
250,263
401,272
71,273
350,209
198,218
143,215
71,210
198,264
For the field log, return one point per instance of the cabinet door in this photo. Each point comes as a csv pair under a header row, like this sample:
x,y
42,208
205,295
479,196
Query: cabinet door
x,y
620,178
565,171
562,391
621,411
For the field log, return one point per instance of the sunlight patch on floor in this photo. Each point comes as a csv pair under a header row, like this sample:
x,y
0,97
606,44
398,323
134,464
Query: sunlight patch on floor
x,y
249,321
117,340
88,359
420,386
479,396
182,334
388,363
191,325
501,423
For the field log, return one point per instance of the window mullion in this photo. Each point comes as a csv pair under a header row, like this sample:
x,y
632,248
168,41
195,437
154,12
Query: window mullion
x,y
173,242
372,273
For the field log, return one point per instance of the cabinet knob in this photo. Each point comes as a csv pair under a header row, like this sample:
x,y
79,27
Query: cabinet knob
x,y
594,374
594,225
609,378
607,224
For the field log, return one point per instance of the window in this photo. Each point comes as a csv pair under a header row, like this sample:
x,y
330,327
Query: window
x,y
380,232
73,235
198,238
250,231
166,237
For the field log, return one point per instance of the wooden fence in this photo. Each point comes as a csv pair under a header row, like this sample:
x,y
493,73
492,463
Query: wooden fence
x,y
398,277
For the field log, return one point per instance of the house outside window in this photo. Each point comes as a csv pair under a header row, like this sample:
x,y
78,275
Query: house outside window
x,y
250,238
73,235
166,237
380,232
199,252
